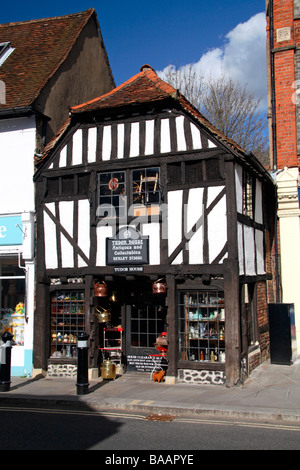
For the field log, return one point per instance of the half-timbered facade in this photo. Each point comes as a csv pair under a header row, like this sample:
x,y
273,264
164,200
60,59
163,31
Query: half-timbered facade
x,y
141,197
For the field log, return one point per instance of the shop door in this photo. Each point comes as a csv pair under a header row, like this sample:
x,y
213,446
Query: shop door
x,y
143,325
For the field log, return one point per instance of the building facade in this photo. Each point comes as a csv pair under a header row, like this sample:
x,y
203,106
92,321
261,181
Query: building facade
x,y
151,223
283,54
38,65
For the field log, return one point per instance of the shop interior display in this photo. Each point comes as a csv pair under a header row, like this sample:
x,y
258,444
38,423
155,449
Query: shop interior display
x,y
202,326
67,320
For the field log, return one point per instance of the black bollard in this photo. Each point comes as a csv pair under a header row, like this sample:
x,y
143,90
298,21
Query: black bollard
x,y
5,366
82,363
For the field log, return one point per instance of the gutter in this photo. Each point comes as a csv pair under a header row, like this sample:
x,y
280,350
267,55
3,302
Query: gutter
x,y
20,111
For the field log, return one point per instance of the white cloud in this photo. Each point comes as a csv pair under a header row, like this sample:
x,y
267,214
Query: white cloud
x,y
242,56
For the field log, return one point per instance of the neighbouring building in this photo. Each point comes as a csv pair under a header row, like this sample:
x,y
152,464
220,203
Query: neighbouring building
x,y
44,67
283,47
152,225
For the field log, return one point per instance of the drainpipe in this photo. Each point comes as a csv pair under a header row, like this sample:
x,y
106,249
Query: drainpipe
x,y
272,72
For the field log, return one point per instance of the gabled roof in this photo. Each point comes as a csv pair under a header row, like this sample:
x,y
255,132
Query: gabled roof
x,y
147,87
142,89
40,47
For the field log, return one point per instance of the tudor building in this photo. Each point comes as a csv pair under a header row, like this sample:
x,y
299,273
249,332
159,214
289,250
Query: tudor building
x,y
139,189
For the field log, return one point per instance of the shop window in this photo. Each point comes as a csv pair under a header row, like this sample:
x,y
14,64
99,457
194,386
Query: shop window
x,y
202,326
12,299
111,194
145,191
67,320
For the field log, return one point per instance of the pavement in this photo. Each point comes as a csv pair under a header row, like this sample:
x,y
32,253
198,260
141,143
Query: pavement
x,y
272,392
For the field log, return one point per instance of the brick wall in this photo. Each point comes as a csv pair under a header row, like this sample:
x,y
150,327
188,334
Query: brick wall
x,y
263,321
286,21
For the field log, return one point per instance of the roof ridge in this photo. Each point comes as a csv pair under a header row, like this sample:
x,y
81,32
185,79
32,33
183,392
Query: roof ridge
x,y
50,18
145,70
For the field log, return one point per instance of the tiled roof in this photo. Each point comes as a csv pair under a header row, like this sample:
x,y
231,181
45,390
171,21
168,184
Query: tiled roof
x,y
41,46
147,87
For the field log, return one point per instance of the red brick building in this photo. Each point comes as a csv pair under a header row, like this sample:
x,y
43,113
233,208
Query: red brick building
x,y
283,59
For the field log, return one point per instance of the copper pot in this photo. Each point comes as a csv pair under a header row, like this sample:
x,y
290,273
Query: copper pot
x,y
100,289
159,287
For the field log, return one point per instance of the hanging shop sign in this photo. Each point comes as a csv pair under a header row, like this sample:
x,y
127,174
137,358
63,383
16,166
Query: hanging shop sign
x,y
127,248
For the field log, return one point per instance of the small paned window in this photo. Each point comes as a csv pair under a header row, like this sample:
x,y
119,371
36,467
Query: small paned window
x,y
111,194
248,195
145,191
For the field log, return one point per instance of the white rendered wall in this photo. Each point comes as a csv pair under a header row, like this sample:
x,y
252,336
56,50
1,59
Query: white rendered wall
x,y
17,145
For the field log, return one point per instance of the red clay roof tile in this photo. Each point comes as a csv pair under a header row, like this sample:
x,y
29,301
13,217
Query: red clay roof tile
x,y
147,87
41,46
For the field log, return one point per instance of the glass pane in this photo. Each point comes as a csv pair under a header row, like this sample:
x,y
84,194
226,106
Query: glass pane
x,y
67,320
12,299
202,326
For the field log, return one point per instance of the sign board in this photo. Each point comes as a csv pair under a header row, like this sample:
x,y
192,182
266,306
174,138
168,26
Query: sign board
x,y
127,248
11,230
141,363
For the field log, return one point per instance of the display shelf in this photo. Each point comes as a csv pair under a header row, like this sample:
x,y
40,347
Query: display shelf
x,y
112,345
67,320
202,326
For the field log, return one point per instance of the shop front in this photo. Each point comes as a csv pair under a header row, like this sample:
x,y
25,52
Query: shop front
x,y
150,223
17,288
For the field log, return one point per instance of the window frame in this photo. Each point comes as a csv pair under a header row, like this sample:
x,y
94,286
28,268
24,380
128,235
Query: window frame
x,y
137,209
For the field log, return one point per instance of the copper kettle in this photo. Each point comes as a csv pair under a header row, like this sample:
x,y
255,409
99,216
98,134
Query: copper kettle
x,y
100,289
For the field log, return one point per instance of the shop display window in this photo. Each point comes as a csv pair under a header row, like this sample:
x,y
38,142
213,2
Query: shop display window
x,y
202,326
12,299
67,320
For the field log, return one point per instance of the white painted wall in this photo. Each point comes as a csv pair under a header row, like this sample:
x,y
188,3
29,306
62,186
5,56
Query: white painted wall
x,y
17,145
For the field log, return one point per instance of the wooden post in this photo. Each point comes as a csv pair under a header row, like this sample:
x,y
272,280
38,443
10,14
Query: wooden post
x,y
172,330
232,323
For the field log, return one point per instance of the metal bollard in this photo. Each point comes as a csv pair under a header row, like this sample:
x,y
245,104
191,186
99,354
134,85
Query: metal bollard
x,y
82,363
6,364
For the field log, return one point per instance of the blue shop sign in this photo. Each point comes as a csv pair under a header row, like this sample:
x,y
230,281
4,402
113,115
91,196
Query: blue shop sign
x,y
11,230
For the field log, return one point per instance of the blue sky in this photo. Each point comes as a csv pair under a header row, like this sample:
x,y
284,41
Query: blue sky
x,y
227,34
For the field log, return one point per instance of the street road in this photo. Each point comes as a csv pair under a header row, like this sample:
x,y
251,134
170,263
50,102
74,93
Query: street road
x,y
24,428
